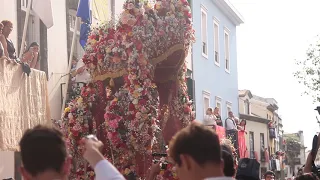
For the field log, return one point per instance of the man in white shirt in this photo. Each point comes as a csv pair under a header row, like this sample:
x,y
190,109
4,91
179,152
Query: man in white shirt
x,y
44,156
230,123
196,153
82,75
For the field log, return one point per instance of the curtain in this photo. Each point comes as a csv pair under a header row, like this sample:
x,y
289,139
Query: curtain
x,y
23,103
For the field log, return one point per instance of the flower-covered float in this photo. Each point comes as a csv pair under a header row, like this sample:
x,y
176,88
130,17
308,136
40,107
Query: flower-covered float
x,y
138,97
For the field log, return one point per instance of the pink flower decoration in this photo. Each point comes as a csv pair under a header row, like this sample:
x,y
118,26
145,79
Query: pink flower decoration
x,y
130,6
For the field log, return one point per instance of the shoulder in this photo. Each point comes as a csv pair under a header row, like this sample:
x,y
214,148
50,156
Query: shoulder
x,y
2,38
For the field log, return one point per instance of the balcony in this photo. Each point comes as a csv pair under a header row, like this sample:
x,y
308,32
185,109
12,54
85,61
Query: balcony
x,y
238,140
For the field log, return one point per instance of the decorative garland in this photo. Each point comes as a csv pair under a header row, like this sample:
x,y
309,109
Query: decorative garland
x,y
142,34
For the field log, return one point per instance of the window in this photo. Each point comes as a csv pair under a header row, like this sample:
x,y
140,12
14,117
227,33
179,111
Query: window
x,y
216,42
24,4
229,107
72,21
262,147
204,33
206,101
218,103
227,50
251,143
247,107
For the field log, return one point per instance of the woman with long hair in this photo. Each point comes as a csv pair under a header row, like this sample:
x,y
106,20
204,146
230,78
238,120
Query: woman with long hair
x,y
31,56
2,56
8,47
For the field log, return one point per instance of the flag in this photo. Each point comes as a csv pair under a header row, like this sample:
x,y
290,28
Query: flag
x,y
85,15
43,10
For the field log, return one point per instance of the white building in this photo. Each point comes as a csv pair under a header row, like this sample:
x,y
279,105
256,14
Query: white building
x,y
55,46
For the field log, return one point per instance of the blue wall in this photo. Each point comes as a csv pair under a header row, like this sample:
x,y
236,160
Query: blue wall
x,y
208,76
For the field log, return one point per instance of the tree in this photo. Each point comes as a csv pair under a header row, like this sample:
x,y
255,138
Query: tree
x,y
309,71
293,148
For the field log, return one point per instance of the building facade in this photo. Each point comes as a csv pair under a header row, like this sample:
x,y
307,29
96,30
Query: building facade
x,y
214,56
256,130
264,131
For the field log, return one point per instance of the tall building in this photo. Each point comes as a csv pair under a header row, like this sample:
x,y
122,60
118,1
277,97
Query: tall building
x,y
214,56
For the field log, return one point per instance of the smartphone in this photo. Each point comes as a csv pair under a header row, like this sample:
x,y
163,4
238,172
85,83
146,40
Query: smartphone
x,y
163,165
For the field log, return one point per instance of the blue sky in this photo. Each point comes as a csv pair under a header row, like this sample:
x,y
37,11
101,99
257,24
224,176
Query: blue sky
x,y
274,34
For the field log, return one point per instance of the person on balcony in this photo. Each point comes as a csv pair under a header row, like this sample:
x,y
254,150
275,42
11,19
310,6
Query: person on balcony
x,y
242,125
217,116
31,56
8,47
230,122
209,119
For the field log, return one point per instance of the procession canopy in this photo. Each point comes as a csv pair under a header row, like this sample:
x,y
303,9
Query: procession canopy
x,y
138,95
23,103
154,34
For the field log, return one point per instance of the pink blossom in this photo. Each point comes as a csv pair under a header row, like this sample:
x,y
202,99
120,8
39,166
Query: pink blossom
x,y
113,124
130,6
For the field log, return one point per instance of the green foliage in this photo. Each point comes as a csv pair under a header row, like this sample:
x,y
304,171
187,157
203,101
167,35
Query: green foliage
x,y
309,71
293,150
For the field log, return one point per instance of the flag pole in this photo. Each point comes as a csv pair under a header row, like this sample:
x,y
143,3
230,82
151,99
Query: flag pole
x,y
74,38
25,28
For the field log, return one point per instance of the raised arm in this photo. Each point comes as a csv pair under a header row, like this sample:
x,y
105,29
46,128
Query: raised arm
x,y
312,155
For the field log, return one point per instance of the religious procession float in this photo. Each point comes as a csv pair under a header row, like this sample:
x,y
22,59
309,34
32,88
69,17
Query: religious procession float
x,y
138,98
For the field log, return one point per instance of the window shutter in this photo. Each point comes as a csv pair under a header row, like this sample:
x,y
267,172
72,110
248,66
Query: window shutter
x,y
216,37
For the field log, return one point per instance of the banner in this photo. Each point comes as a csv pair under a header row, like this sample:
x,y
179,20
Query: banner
x,y
221,131
23,103
44,10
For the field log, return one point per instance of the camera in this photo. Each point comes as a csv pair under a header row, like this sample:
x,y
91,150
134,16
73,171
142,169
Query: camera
x,y
163,164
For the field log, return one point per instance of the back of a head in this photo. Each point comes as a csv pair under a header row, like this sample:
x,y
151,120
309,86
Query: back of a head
x,y
269,173
308,176
197,141
228,169
42,149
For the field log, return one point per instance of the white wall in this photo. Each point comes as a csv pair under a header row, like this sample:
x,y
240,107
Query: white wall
x,y
57,56
118,7
8,11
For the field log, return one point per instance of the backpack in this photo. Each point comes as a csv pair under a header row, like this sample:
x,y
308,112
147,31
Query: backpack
x,y
248,169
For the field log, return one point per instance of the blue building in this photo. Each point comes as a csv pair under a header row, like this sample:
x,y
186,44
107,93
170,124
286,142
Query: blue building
x,y
214,56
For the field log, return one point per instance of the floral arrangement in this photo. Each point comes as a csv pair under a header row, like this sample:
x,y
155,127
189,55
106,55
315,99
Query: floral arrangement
x,y
77,119
130,51
229,143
